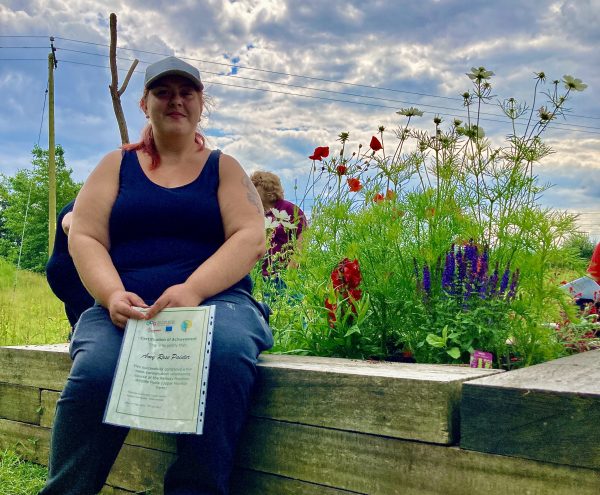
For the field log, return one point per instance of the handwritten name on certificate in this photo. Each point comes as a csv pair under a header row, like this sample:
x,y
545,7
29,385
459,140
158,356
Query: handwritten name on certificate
x,y
160,383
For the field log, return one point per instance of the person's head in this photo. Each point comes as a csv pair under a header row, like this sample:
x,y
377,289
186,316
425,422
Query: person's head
x,y
268,186
172,101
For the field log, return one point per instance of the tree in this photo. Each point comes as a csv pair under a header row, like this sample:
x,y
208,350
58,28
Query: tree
x,y
581,244
27,191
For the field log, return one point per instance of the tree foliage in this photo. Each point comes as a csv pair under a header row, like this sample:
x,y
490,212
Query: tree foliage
x,y
26,193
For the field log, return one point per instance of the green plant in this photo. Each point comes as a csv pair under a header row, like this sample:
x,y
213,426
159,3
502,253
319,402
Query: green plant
x,y
387,205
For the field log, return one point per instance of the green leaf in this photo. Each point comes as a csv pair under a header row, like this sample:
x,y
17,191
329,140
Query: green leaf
x,y
454,352
352,330
435,341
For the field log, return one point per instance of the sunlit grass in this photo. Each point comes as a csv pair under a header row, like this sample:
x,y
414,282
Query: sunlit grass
x,y
18,477
29,312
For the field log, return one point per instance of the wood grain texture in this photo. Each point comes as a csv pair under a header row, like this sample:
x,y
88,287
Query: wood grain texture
x,y
386,466
300,459
29,441
247,482
20,403
549,412
44,367
413,401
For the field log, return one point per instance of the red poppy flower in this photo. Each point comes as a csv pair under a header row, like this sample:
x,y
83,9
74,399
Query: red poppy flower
x,y
378,198
375,144
341,169
389,194
354,184
320,153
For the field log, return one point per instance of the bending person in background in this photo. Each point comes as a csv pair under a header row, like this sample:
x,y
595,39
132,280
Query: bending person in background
x,y
288,222
165,223
61,273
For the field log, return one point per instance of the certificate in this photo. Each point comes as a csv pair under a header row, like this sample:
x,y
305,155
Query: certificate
x,y
160,383
584,287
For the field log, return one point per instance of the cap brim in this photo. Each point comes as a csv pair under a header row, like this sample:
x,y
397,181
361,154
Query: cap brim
x,y
175,72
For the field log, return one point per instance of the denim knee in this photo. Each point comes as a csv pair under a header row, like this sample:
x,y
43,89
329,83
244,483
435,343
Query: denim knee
x,y
95,350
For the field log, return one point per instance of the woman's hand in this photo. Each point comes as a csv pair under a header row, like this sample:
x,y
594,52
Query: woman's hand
x,y
121,307
176,296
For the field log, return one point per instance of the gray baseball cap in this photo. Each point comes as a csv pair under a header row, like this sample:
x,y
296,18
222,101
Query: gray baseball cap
x,y
172,66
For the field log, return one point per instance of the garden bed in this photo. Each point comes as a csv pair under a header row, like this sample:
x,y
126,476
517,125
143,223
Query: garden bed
x,y
322,426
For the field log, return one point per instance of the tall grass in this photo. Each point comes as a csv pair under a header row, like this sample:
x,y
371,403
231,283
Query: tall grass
x,y
29,312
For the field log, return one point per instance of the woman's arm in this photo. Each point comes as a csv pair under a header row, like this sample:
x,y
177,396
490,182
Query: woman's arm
x,y
243,223
89,242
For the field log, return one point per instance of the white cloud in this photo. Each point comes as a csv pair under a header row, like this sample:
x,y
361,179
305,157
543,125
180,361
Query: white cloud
x,y
418,47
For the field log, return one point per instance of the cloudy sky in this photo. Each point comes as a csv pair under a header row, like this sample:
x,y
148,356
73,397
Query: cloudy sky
x,y
286,76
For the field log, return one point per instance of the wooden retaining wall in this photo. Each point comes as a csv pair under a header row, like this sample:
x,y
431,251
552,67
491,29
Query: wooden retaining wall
x,y
331,427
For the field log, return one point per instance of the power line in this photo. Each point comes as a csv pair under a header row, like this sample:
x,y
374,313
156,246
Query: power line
x,y
25,59
237,66
335,100
335,92
23,47
43,112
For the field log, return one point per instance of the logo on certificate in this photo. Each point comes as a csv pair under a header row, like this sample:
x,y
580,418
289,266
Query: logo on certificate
x,y
186,324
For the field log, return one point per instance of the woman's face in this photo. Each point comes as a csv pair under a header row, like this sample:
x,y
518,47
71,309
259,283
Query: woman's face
x,y
173,105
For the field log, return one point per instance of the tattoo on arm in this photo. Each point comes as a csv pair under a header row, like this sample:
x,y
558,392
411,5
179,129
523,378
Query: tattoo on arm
x,y
252,195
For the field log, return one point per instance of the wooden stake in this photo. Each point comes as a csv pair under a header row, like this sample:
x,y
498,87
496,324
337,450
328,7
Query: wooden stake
x,y
116,93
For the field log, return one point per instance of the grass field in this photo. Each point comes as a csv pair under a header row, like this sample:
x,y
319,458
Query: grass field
x,y
29,312
18,477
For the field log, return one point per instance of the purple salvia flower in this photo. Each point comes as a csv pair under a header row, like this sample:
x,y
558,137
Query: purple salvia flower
x,y
513,285
482,267
426,279
504,281
470,285
471,254
449,268
482,276
483,289
461,262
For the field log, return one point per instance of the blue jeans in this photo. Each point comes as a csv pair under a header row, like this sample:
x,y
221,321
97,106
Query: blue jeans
x,y
83,449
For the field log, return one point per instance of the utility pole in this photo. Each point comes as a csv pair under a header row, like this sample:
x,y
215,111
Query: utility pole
x,y
51,147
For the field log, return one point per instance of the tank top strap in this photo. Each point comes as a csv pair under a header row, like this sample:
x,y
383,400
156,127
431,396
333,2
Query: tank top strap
x,y
210,172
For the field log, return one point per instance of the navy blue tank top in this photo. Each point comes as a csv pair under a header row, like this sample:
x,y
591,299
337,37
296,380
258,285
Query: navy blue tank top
x,y
160,235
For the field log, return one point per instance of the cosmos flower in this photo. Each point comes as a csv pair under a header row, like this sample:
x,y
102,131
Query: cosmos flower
x,y
410,112
574,84
479,74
